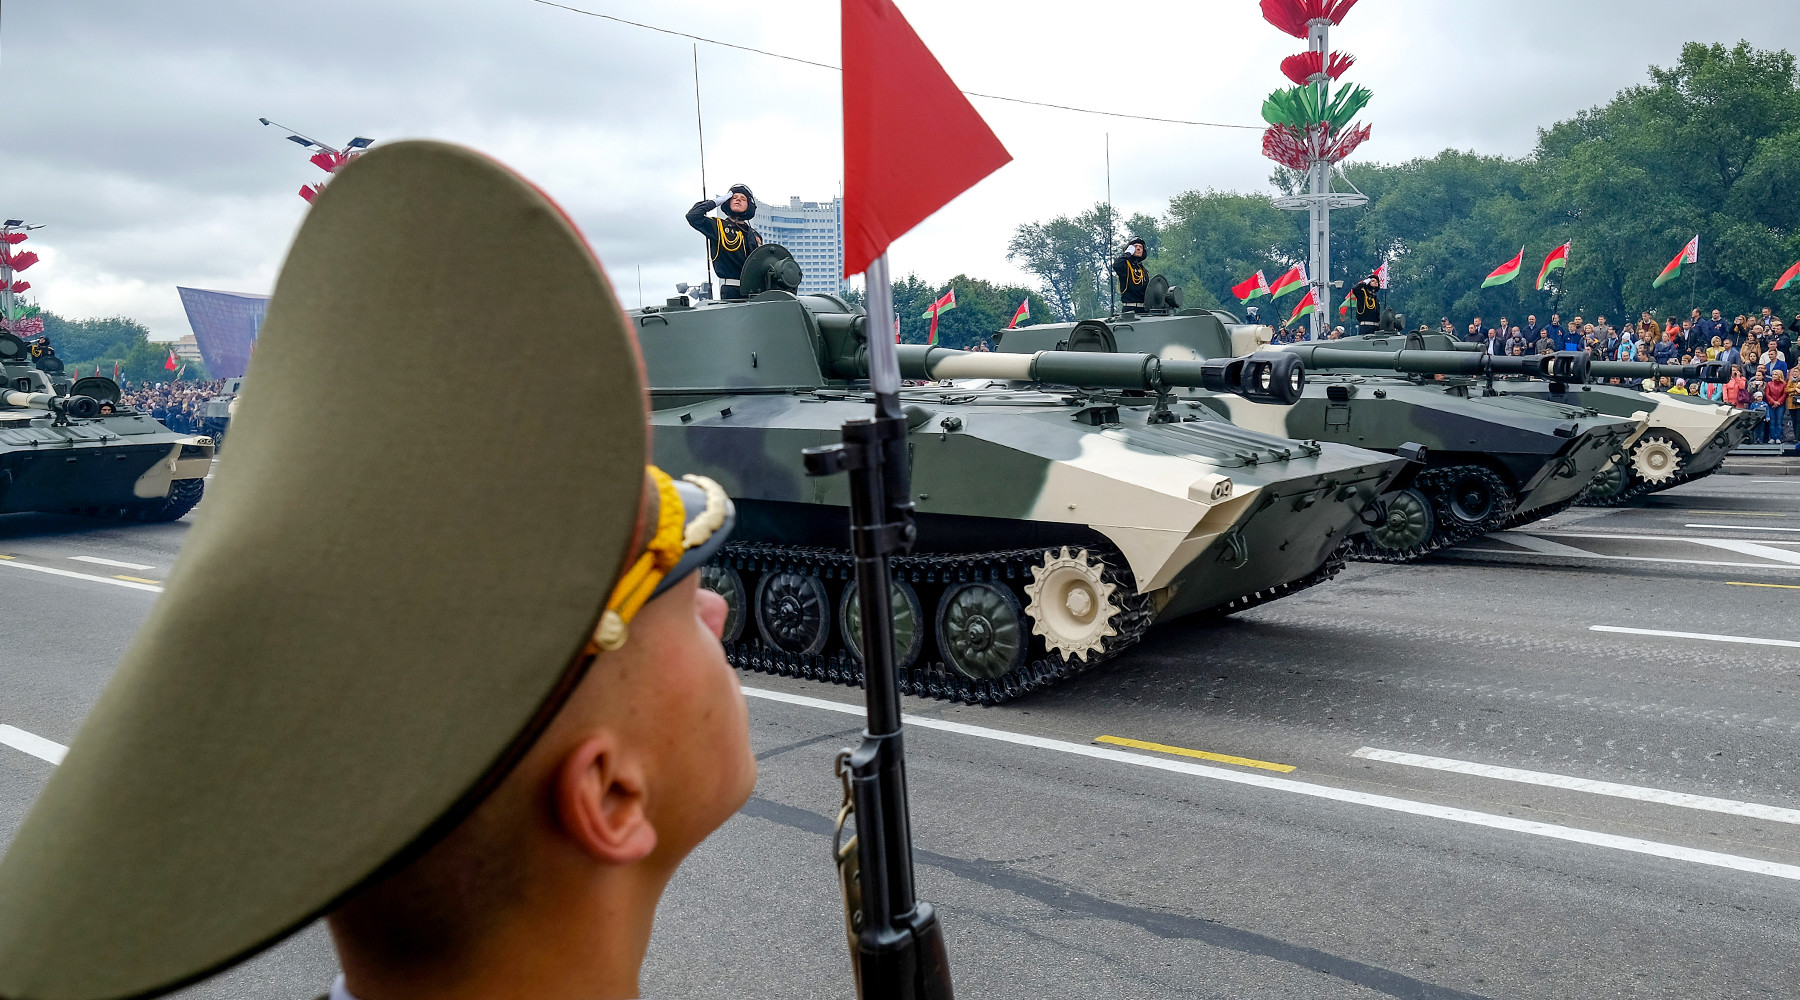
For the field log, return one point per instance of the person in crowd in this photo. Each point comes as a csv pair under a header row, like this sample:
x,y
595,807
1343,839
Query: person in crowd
x,y
1628,345
1679,388
1543,345
179,405
1728,354
1734,388
1496,342
1713,326
1713,349
1790,420
1531,327
1760,407
1664,349
1476,333
1447,328
729,240
1515,341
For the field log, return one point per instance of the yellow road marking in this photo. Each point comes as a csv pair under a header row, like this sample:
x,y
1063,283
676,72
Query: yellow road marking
x,y
1222,758
137,579
1776,586
9,557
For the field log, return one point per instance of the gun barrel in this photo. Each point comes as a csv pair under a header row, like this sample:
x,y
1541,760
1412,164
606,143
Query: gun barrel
x,y
1269,376
79,407
1564,366
1708,371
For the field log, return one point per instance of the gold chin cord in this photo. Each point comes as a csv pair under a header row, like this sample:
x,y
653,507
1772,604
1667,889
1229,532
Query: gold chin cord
x,y
674,535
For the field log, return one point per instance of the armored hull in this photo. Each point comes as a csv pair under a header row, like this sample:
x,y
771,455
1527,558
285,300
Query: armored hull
x,y
1686,439
1056,524
55,456
1490,460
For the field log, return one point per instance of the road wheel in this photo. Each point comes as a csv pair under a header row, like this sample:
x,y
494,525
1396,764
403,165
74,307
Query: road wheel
x,y
183,495
792,612
909,633
1072,604
725,581
1408,525
1657,458
981,630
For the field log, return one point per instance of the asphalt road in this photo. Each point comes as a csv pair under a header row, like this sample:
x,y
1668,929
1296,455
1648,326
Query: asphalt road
x,y
1455,781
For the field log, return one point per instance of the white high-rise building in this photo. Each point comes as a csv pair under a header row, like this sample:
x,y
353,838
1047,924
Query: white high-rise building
x,y
813,231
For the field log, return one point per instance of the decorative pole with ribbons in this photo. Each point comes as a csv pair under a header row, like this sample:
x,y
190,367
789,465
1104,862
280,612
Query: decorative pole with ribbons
x,y
1311,131
894,92
12,233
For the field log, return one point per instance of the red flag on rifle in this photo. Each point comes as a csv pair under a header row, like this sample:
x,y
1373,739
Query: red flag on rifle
x,y
912,141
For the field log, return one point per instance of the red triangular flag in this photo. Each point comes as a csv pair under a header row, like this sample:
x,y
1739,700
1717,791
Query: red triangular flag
x,y
912,141
169,365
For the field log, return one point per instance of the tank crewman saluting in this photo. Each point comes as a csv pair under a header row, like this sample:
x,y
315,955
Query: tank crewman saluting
x,y
1133,276
729,240
1366,294
452,737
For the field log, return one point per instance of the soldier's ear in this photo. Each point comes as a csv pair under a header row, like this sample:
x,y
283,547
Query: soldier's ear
x,y
600,798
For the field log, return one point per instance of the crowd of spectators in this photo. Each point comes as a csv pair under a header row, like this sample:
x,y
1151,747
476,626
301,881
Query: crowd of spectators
x,y
1756,351
178,405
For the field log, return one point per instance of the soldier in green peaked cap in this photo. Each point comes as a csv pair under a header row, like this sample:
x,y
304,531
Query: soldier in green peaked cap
x,y
448,681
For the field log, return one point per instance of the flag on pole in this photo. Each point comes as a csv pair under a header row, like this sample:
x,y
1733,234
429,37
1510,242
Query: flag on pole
x,y
1344,308
944,304
1305,307
1558,259
1381,274
1256,285
1689,254
1292,281
179,372
115,371
912,141
1787,277
1023,312
1506,272
169,365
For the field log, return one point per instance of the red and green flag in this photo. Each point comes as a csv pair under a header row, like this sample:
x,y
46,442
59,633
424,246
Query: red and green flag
x,y
1292,281
1250,289
942,305
1344,308
1689,254
1021,313
1305,306
1787,277
1505,272
1558,259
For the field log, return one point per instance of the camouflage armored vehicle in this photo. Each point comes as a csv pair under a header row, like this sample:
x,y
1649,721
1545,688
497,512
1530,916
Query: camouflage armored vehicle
x,y
1489,461
215,420
84,452
1063,506
1687,438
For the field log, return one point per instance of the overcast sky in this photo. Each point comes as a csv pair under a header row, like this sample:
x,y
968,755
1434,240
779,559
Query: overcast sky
x,y
132,127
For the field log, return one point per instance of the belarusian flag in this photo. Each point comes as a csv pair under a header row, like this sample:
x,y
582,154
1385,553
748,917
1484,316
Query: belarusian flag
x,y
169,365
1305,307
1505,272
1023,312
1292,281
1558,259
1256,285
1689,254
1381,274
942,305
1344,308
1787,277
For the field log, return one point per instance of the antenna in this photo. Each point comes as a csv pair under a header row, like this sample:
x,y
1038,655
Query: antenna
x,y
1112,287
700,130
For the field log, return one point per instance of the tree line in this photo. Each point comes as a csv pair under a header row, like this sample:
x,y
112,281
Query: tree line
x,y
1710,145
87,344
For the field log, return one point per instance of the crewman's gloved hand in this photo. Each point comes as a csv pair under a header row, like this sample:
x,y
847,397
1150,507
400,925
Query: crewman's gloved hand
x,y
720,200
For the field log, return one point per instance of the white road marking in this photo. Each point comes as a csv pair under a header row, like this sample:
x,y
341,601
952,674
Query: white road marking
x,y
1754,810
33,744
1741,527
1585,554
96,560
1430,810
1542,546
152,588
1751,549
1749,640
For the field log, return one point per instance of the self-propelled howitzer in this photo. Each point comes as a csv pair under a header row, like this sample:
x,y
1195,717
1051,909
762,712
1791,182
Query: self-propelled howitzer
x,y
83,451
1688,437
1056,521
1488,460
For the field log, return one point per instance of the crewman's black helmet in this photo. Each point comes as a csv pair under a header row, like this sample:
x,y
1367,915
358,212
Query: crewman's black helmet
x,y
748,213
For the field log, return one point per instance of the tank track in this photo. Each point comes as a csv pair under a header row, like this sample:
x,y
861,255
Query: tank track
x,y
927,677
1637,490
184,495
1435,484
1332,567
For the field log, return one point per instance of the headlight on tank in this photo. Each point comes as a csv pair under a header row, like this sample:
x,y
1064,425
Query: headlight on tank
x,y
1211,488
198,448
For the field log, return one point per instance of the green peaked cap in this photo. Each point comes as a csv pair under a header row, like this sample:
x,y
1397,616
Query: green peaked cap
x,y
383,601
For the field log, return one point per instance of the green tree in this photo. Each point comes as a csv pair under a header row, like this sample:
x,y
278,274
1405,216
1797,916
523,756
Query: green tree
x,y
88,344
981,308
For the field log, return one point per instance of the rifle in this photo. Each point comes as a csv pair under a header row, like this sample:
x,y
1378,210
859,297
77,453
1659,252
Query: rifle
x,y
896,944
